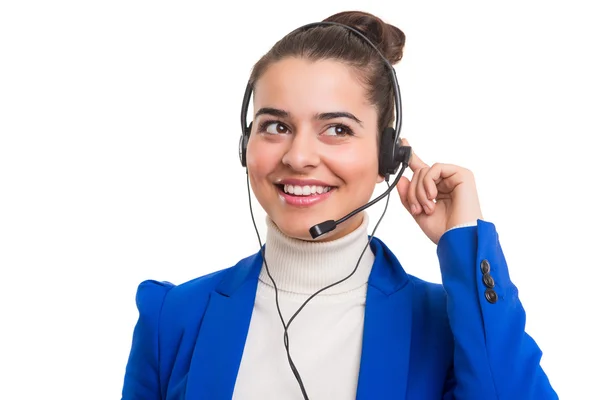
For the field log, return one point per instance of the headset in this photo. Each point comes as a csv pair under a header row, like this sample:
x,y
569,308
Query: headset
x,y
392,156
392,153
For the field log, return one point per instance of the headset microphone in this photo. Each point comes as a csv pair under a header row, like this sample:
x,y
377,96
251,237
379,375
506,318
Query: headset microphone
x,y
329,225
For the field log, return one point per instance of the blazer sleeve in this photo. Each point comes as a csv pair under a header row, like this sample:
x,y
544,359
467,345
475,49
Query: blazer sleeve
x,y
141,373
494,358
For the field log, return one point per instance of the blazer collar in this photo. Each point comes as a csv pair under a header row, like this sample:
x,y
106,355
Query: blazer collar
x,y
387,275
386,339
247,270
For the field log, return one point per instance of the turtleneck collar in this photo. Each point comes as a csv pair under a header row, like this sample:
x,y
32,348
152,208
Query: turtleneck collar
x,y
304,267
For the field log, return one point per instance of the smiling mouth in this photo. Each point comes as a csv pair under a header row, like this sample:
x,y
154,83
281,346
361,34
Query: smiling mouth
x,y
304,191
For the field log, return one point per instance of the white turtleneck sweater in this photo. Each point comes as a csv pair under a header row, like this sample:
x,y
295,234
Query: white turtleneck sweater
x,y
326,336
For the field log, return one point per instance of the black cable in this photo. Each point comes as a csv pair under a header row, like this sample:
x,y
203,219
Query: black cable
x,y
286,326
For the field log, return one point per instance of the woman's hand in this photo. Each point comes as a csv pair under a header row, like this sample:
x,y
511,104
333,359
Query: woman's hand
x,y
439,197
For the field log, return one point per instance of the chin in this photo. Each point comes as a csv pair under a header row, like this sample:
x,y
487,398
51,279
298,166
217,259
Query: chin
x,y
296,227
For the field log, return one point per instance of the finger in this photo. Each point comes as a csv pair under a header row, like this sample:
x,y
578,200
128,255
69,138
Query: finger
x,y
415,206
446,176
415,162
430,181
427,205
402,188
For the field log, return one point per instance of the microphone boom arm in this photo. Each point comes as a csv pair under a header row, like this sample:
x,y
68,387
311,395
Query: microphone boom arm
x,y
329,225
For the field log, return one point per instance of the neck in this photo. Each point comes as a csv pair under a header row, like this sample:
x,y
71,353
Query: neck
x,y
304,267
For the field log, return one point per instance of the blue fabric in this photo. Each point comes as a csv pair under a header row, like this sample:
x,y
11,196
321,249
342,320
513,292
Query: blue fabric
x,y
421,340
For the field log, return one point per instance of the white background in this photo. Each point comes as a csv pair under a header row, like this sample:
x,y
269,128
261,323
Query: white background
x,y
119,124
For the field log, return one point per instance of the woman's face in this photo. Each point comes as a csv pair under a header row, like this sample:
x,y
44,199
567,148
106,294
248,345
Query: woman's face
x,y
312,153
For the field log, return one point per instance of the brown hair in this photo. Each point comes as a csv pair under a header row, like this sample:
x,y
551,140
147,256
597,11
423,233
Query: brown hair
x,y
337,43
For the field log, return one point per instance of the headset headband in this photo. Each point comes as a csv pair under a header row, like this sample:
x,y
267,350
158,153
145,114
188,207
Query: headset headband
x,y
392,72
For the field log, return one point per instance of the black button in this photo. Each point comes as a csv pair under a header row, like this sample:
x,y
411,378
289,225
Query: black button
x,y
488,280
491,295
485,266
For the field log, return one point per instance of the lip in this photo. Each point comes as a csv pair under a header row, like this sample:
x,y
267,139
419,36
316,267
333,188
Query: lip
x,y
303,201
303,182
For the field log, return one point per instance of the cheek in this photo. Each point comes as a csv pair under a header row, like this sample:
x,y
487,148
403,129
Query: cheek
x,y
261,158
359,164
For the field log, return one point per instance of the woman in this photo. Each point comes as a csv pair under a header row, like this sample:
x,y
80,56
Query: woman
x,y
337,317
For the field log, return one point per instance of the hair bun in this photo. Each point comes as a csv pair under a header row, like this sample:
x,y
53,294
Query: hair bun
x,y
388,38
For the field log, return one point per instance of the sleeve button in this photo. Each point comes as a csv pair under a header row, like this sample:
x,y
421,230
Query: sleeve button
x,y
488,280
491,296
485,266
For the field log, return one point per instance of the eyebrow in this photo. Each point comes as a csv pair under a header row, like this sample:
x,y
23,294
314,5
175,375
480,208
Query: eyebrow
x,y
272,111
321,116
338,114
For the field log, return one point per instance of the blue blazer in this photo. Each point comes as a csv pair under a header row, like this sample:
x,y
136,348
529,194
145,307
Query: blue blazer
x,y
463,339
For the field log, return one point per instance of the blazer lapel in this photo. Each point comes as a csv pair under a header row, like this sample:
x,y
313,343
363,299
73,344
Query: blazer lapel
x,y
222,336
386,338
387,329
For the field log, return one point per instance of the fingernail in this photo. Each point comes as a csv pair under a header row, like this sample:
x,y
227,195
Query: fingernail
x,y
413,209
426,208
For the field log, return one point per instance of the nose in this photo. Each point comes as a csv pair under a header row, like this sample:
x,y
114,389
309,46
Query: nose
x,y
302,153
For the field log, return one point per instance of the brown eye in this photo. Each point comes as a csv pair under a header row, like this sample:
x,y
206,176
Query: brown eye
x,y
337,130
276,128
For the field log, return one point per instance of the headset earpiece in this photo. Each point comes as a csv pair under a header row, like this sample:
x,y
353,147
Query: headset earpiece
x,y
244,144
392,153
386,152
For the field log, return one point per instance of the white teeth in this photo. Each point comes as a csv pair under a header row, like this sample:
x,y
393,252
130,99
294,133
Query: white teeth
x,y
305,190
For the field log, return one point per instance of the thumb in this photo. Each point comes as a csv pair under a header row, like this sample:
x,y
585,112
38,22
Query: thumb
x,y
402,188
